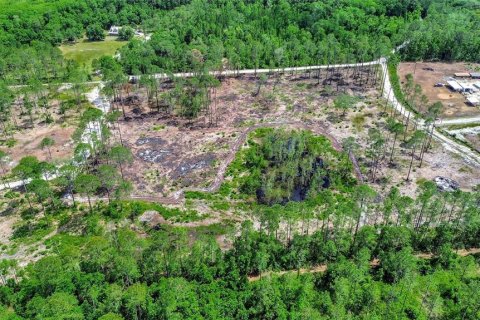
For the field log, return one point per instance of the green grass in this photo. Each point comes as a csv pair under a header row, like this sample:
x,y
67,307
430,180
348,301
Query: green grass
x,y
85,51
463,126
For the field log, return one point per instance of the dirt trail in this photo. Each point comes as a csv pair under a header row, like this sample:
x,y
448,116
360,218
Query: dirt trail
x,y
319,129
26,254
316,128
375,262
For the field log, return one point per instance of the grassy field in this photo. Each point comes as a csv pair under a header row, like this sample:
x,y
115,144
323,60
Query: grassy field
x,y
85,51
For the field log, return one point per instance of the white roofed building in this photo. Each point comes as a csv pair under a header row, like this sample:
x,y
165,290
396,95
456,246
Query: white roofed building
x,y
114,30
455,85
473,101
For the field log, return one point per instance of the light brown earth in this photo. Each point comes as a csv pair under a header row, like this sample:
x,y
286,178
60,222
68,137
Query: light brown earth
x,y
27,136
454,103
28,143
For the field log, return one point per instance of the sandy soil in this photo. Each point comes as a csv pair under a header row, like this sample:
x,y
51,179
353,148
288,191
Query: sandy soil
x,y
454,103
28,136
6,227
28,141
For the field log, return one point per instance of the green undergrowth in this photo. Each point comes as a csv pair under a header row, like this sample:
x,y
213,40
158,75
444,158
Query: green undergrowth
x,y
132,209
245,175
464,143
396,86
279,166
463,126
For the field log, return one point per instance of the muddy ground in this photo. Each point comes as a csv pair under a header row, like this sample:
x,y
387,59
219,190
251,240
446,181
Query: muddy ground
x,y
172,153
455,105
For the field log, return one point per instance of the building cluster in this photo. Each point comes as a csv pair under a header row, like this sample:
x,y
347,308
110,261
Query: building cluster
x,y
468,84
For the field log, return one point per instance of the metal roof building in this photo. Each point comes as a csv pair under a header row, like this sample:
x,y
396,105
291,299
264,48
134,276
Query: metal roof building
x,y
475,75
473,101
455,85
468,87
462,74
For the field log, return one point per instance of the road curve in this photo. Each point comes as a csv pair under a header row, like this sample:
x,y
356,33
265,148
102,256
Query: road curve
x,y
469,155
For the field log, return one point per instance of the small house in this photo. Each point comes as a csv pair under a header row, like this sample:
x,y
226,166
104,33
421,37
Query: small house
x,y
114,30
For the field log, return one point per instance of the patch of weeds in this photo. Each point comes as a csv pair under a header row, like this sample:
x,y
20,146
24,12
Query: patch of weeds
x,y
220,206
66,243
186,216
215,229
465,169
11,142
358,122
11,194
31,232
197,195
158,127
420,181
300,85
28,213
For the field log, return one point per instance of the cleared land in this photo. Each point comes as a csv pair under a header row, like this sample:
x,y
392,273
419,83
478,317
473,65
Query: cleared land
x,y
173,153
85,51
455,105
25,137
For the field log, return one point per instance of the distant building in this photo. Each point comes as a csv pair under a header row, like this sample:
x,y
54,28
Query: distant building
x,y
477,84
462,75
475,75
114,30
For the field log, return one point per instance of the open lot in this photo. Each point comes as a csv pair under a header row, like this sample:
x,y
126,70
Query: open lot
x,y
455,105
173,153
25,137
28,143
85,51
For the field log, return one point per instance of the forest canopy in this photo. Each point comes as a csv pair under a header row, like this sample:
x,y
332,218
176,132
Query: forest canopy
x,y
238,34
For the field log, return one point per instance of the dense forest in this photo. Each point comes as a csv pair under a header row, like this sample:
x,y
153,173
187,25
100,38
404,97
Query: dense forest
x,y
235,34
314,242
116,275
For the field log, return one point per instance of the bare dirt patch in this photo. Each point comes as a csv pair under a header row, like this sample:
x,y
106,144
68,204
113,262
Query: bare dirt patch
x,y
172,153
28,143
427,74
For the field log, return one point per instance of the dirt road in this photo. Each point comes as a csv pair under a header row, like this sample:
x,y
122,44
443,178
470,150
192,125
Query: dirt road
x,y
323,267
